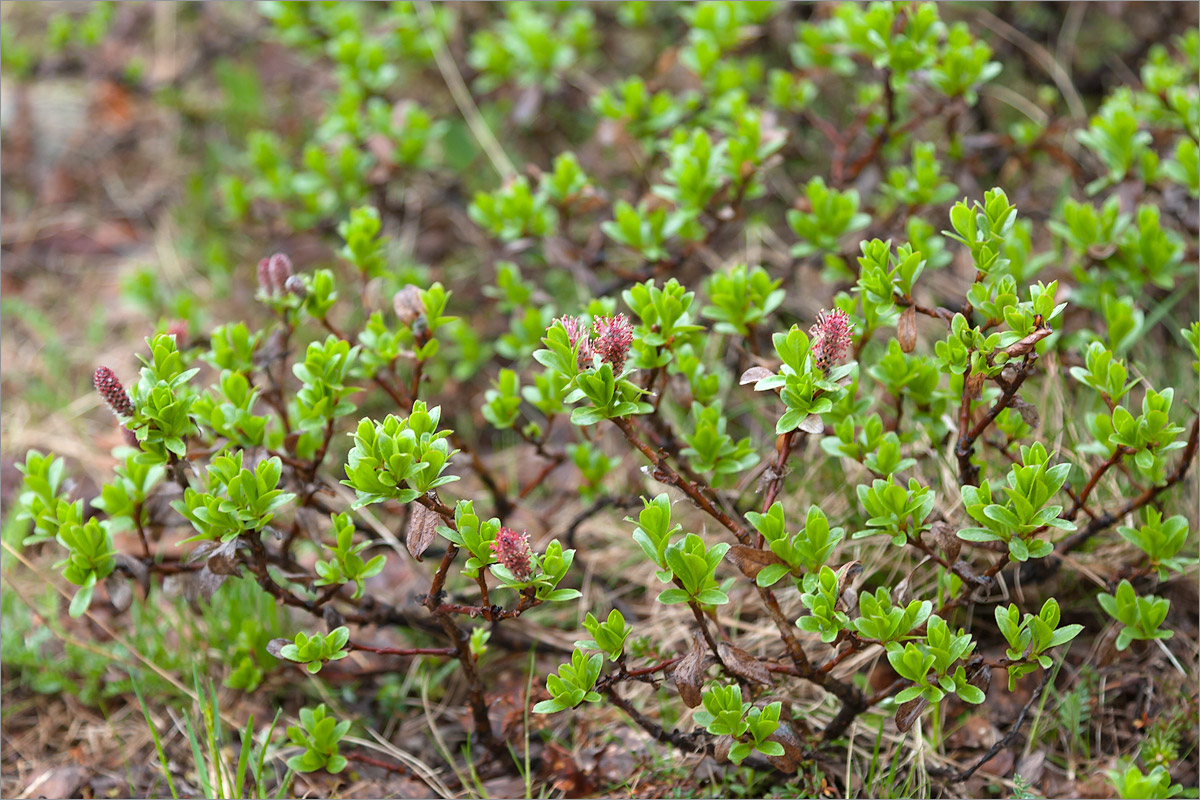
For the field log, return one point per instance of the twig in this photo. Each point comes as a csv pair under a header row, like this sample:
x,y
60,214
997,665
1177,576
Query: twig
x,y
962,775
399,769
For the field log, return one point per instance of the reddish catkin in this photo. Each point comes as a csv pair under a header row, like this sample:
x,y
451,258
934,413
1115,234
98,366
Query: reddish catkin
x,y
577,333
273,273
513,552
614,335
113,392
830,338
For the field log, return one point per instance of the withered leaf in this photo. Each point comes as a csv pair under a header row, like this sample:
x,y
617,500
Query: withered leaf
x,y
422,525
848,601
742,664
906,330
333,618
689,673
975,385
751,560
979,674
1029,413
222,559
812,424
207,582
119,593
276,645
721,748
846,574
945,537
134,568
900,594
1025,345
754,375
793,748
908,713
407,304
198,584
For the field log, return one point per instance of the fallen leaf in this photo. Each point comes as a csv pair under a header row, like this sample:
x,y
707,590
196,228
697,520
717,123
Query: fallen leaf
x,y
1032,766
56,782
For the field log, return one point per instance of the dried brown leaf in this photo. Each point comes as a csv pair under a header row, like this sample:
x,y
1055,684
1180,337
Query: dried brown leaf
x,y
908,713
1029,413
119,593
812,424
742,664
945,537
975,385
407,304
1025,345
751,560
906,330
754,375
793,749
689,673
846,574
422,525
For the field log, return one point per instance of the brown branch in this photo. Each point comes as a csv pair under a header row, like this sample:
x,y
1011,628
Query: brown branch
x,y
853,702
968,473
665,473
405,651
1108,519
399,769
957,777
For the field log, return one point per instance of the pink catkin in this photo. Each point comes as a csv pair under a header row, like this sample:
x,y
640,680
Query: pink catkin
x,y
273,273
110,388
830,338
577,333
513,552
614,336
280,267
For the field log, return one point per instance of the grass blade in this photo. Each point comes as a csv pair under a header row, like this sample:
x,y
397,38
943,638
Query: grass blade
x,y
162,756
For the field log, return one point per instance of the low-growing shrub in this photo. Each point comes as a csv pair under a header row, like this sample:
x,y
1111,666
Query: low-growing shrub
x,y
879,412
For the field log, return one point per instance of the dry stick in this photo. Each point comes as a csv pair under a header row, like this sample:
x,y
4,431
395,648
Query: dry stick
x,y
405,651
696,742
399,769
689,743
962,775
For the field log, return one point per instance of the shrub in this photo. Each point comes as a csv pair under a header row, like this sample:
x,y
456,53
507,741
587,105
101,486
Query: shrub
x,y
969,395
